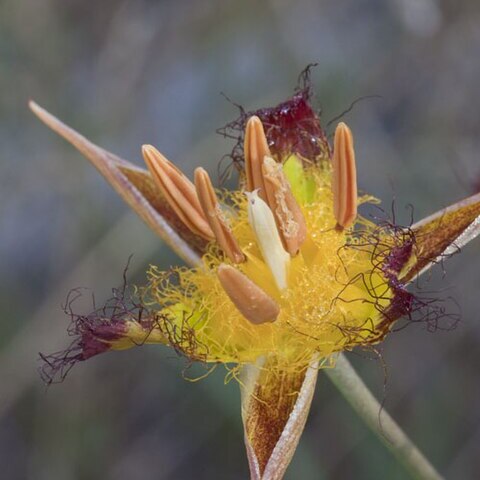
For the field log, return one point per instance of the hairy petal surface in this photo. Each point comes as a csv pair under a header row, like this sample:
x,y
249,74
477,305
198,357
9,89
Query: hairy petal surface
x,y
275,406
442,234
136,186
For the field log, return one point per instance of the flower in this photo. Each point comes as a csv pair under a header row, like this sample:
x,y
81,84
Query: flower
x,y
284,271
289,270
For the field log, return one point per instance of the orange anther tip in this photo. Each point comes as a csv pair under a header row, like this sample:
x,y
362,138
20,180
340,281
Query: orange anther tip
x,y
344,182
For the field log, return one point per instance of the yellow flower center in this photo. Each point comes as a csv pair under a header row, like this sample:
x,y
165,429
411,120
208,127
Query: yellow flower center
x,y
334,291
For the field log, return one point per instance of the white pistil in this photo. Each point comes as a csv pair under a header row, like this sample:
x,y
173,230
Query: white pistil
x,y
263,224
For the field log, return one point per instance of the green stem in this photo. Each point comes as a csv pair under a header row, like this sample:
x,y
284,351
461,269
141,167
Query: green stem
x,y
346,379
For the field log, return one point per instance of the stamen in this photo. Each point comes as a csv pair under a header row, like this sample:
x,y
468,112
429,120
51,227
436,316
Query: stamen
x,y
263,225
178,190
344,183
288,215
251,301
256,147
213,213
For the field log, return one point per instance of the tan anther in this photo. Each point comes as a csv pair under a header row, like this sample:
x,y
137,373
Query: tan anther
x,y
251,301
213,213
288,215
179,192
256,147
344,182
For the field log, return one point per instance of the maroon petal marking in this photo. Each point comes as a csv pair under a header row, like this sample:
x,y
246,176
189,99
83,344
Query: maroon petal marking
x,y
291,127
121,323
294,127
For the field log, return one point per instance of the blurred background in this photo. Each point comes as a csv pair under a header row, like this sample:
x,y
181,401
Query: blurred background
x,y
126,73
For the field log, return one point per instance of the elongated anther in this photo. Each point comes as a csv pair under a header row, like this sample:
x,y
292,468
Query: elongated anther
x,y
213,213
262,221
344,182
288,215
256,147
178,190
251,301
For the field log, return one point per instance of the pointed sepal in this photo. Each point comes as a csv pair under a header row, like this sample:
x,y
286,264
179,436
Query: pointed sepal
x,y
440,235
136,186
275,406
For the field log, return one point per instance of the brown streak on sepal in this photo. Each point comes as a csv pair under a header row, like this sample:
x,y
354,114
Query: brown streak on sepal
x,y
442,234
251,301
144,182
135,185
179,192
212,211
288,215
256,148
275,406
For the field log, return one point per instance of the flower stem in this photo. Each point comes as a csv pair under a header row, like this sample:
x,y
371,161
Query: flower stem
x,y
352,387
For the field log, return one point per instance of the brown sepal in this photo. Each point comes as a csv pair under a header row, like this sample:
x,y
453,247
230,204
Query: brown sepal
x,y
441,235
136,186
275,406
